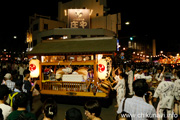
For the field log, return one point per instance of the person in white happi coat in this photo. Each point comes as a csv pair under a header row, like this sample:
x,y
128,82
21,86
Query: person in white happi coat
x,y
146,75
139,74
129,72
174,75
166,92
177,86
177,91
159,75
115,74
120,88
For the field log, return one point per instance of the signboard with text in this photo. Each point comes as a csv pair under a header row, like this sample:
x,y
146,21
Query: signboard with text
x,y
79,18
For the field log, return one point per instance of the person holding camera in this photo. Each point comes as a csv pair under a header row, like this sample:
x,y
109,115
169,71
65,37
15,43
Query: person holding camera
x,y
136,106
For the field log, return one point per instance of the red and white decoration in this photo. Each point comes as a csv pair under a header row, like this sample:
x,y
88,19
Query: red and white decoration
x,y
34,68
104,68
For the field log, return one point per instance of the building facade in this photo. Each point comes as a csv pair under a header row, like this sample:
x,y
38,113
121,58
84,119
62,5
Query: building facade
x,y
98,13
39,23
100,23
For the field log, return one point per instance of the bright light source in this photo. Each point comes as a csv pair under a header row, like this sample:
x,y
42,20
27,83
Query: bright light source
x,y
131,38
127,23
51,38
15,37
65,12
65,37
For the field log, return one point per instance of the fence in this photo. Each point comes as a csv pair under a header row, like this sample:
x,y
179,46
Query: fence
x,y
64,86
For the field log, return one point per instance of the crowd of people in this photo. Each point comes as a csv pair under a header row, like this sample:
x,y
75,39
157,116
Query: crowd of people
x,y
147,92
16,94
143,92
19,109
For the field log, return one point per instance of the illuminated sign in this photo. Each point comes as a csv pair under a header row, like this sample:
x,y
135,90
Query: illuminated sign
x,y
118,46
79,18
29,37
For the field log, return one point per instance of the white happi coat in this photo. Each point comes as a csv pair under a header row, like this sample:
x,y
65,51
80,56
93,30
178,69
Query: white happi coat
x,y
120,88
166,92
177,89
159,77
130,81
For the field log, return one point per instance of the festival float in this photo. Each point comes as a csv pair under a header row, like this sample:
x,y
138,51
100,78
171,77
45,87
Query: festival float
x,y
73,67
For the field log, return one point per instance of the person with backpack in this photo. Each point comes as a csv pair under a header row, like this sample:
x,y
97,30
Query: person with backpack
x,y
21,113
136,106
17,89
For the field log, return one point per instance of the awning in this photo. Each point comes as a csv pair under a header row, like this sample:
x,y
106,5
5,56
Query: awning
x,y
75,46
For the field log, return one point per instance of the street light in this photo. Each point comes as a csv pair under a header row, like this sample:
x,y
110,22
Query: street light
x,y
131,38
127,23
15,37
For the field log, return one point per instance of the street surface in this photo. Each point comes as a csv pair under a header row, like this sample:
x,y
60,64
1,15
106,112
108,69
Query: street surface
x,y
108,113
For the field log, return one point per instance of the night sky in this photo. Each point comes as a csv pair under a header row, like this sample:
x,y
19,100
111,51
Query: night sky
x,y
154,20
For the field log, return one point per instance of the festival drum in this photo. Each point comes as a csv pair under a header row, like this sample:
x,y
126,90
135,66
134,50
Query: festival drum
x,y
103,87
84,72
59,73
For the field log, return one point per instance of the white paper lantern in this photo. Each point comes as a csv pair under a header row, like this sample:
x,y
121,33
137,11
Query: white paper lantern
x,y
34,68
104,68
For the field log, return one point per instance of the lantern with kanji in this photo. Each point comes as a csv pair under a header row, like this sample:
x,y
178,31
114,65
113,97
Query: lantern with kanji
x,y
104,68
34,68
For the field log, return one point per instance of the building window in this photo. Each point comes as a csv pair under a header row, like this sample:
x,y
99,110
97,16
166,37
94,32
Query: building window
x,y
35,27
97,14
46,26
